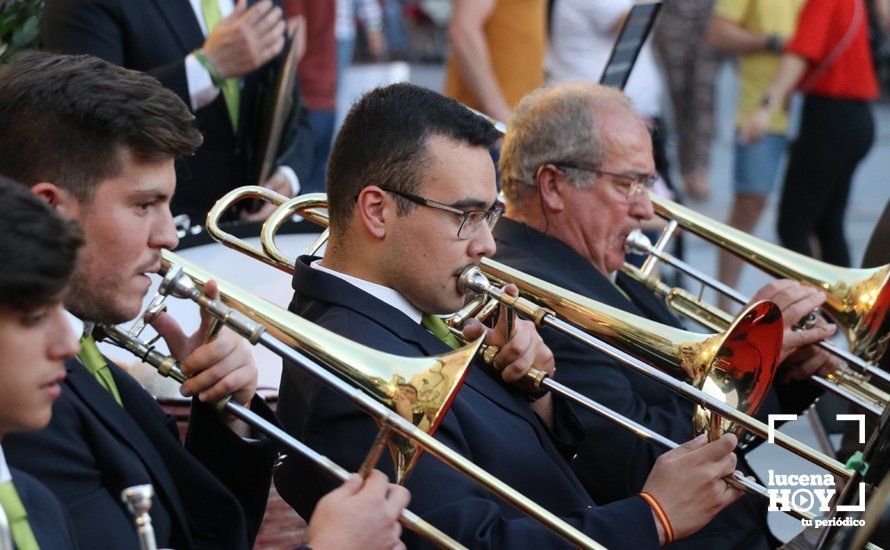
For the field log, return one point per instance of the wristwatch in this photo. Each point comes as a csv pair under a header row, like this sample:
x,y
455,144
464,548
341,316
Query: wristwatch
x,y
774,44
765,101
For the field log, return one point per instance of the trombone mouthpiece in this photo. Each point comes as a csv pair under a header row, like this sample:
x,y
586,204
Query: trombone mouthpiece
x,y
472,281
138,498
637,243
176,284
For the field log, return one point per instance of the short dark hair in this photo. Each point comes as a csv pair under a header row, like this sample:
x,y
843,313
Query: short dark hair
x,y
68,119
383,142
38,251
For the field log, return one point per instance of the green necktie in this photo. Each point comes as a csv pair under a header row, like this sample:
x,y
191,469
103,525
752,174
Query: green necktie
x,y
94,362
440,330
17,518
230,90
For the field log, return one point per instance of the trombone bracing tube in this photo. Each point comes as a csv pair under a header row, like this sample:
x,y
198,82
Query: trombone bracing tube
x,y
232,311
168,366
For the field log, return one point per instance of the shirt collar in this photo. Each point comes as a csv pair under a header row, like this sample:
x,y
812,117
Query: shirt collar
x,y
5,474
384,293
78,326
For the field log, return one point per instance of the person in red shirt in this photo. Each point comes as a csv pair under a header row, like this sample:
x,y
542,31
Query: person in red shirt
x,y
829,61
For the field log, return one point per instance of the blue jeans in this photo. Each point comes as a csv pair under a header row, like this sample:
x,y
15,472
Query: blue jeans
x,y
322,124
345,51
757,164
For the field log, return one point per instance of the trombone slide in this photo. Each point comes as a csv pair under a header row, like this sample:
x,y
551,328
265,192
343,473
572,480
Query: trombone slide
x,y
845,384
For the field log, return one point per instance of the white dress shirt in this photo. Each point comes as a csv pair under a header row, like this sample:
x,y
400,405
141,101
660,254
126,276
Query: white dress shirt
x,y
384,293
5,474
583,33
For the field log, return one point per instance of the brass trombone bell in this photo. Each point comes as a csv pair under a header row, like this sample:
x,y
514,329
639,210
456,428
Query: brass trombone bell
x,y
849,385
433,380
857,299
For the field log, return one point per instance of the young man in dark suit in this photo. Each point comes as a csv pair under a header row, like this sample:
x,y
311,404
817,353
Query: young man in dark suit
x,y
37,256
412,198
222,58
98,143
576,168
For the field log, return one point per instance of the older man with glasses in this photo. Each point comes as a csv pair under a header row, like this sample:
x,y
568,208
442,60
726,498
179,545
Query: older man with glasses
x,y
576,168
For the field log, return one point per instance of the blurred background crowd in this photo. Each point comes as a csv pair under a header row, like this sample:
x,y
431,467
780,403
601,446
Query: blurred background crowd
x,y
755,106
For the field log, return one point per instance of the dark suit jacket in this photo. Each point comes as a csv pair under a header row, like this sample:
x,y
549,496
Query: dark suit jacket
x,y
620,468
155,36
877,252
487,422
50,524
212,495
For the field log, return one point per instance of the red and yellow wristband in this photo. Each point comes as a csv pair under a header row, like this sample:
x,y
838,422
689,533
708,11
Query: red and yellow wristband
x,y
661,515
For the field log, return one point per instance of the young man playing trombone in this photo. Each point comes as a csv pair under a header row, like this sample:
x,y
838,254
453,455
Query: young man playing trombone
x,y
576,167
37,257
412,198
98,143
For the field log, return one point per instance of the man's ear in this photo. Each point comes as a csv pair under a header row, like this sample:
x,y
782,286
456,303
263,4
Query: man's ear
x,y
61,200
552,186
374,210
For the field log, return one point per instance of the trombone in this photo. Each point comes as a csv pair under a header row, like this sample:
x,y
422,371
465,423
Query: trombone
x,y
366,376
593,324
858,300
169,367
853,386
684,354
850,385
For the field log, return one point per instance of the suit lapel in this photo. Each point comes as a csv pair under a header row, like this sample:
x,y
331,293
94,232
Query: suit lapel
x,y
518,244
123,426
650,304
181,19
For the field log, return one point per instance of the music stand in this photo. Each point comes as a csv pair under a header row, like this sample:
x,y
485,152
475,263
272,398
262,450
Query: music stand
x,y
633,34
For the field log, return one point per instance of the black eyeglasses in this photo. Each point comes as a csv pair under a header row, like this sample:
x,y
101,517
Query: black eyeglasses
x,y
470,220
636,186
